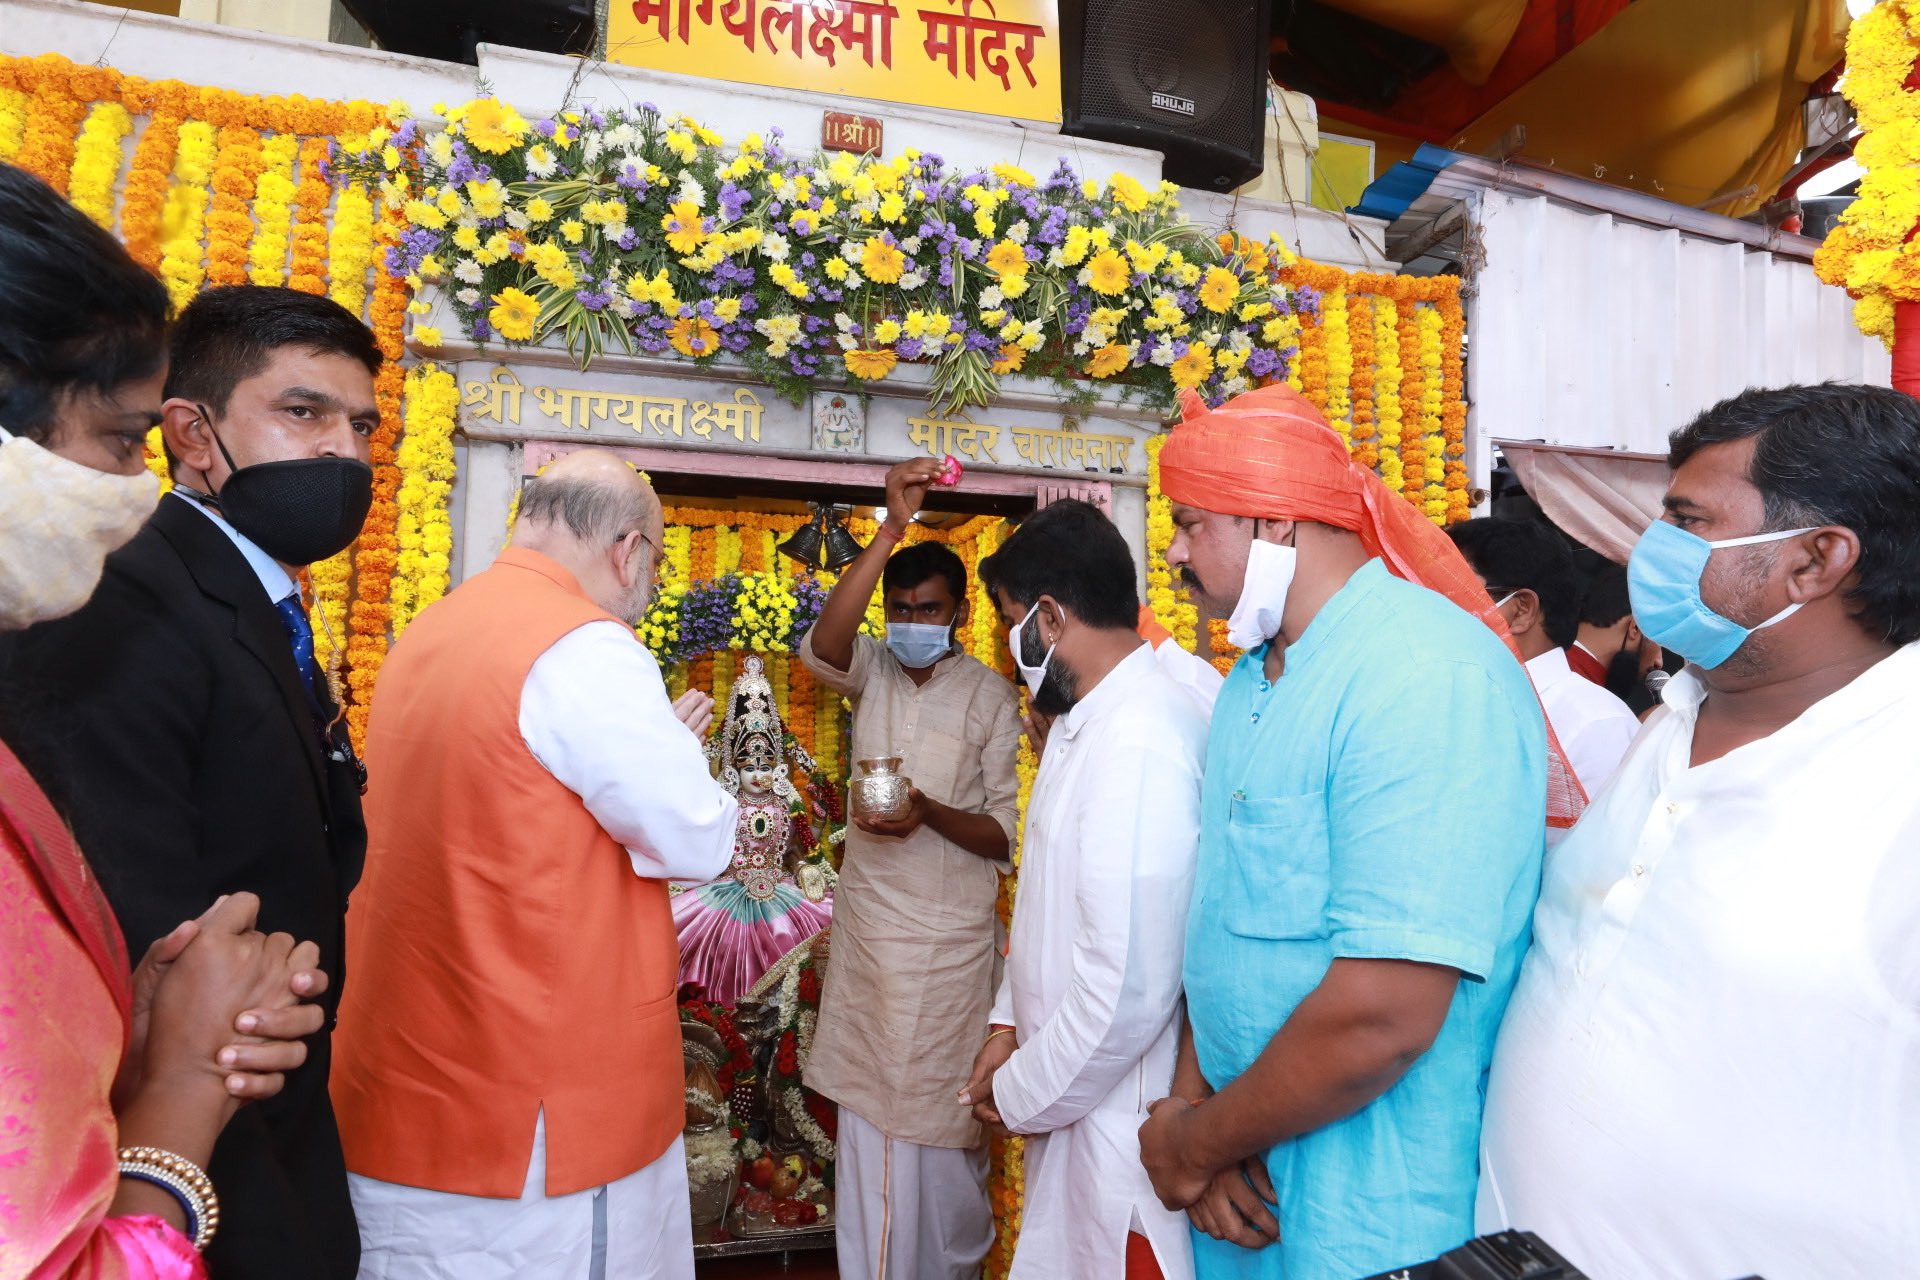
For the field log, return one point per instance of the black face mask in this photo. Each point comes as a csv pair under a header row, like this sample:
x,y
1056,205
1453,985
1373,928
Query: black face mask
x,y
300,511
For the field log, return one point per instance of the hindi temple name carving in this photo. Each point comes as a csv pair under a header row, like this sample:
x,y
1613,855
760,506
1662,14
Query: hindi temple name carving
x,y
499,400
962,41
1051,448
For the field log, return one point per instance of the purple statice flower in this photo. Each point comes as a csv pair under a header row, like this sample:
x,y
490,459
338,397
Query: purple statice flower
x,y
462,171
406,133
980,340
813,324
733,201
807,259
633,178
544,128
946,271
908,348
1263,363
966,205
1306,300
481,330
647,108
593,301
736,341
628,240
776,208
586,258
595,119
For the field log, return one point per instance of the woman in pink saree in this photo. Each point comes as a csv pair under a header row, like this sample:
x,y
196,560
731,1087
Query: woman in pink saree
x,y
96,1059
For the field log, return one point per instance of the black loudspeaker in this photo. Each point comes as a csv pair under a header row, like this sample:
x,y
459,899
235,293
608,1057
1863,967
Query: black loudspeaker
x,y
1187,79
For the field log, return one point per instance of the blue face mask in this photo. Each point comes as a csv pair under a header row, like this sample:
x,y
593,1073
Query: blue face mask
x,y
919,644
1663,581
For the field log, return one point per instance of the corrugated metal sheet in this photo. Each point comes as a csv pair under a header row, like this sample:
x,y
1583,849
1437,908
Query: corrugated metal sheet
x,y
1592,331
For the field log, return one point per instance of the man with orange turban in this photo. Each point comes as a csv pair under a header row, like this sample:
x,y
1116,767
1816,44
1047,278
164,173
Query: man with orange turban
x,y
1372,826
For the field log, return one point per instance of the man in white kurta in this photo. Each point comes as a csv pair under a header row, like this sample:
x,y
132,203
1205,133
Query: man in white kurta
x,y
1091,991
1710,1066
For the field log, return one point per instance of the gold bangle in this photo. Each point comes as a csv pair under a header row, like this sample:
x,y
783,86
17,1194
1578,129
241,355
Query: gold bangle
x,y
1001,1031
187,1180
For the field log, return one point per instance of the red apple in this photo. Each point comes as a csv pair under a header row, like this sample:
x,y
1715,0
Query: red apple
x,y
760,1172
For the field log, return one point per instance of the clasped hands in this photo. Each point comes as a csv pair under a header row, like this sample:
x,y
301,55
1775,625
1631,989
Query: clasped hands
x,y
216,999
978,1091
1235,1203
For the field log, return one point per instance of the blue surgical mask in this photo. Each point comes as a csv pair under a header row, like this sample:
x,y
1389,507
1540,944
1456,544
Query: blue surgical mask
x,y
1663,581
919,644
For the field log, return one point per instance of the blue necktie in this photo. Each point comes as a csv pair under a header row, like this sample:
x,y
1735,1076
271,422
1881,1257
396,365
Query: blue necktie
x,y
293,616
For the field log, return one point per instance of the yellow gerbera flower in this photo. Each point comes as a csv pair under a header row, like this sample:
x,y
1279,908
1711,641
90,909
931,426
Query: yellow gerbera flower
x,y
1191,369
513,315
1011,358
491,125
685,231
871,365
1007,258
1108,360
1128,192
883,264
1220,289
1109,272
693,336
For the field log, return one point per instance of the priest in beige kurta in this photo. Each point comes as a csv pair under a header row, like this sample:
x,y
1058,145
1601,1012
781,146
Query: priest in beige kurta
x,y
914,953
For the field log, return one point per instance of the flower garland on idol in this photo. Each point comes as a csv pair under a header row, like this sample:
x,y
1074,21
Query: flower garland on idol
x,y
1871,252
644,232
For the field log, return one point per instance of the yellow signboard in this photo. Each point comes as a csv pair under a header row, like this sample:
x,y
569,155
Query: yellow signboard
x,y
995,56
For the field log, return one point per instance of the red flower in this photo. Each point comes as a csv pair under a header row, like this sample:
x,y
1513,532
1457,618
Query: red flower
x,y
809,986
824,1114
787,1058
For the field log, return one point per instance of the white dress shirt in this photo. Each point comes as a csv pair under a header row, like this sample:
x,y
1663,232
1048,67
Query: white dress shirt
x,y
595,713
274,580
1199,678
1595,728
1710,1066
1092,980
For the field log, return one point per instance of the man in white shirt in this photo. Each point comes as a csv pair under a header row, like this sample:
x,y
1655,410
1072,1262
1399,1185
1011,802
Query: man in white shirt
x,y
1530,574
1086,1024
1711,1064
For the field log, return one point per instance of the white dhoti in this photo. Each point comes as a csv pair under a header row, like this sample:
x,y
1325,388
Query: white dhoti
x,y
906,1211
638,1228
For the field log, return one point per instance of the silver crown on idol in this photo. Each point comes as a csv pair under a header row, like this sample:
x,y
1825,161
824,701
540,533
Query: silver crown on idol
x,y
752,738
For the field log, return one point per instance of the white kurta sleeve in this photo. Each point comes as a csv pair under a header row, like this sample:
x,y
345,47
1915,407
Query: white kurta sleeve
x,y
1138,834
595,714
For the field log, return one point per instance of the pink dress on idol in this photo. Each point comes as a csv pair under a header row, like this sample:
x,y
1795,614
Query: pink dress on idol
x,y
733,929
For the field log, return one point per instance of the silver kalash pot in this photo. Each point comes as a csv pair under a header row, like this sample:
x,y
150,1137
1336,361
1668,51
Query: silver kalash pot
x,y
879,794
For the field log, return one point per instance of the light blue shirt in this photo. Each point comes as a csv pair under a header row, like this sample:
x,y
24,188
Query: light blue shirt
x,y
1384,799
274,580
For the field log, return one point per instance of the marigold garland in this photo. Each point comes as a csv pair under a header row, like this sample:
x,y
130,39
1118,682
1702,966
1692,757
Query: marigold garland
x,y
144,200
1871,252
308,270
236,173
13,122
273,194
350,249
96,161
424,537
183,221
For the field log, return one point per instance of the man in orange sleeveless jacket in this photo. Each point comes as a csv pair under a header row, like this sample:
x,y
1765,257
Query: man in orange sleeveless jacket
x,y
509,1076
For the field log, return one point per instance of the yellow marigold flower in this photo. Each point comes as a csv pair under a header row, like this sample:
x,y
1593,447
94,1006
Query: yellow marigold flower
x,y
887,331
491,125
426,335
728,309
693,336
682,224
1220,289
489,198
538,210
1012,175
1128,192
1109,273
1007,258
422,214
892,208
1108,360
467,238
513,315
871,365
573,229
836,268
1010,359
1191,369
883,263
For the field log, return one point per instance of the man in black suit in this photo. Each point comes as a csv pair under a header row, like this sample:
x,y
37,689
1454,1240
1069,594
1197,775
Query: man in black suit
x,y
181,722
